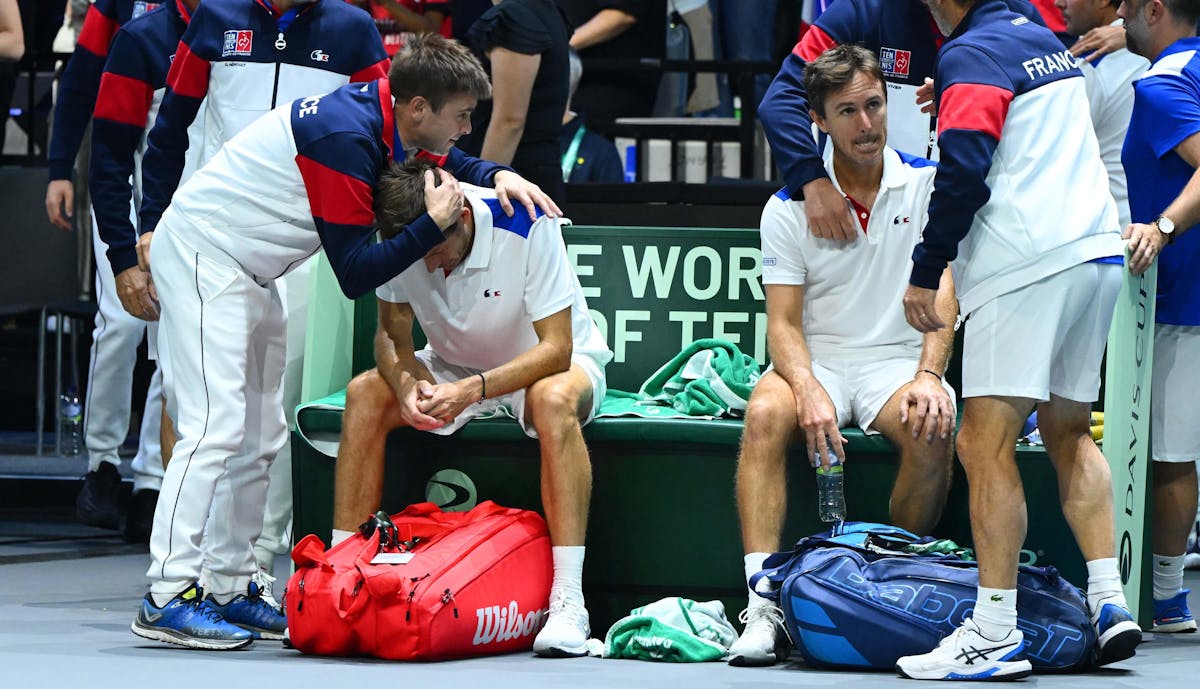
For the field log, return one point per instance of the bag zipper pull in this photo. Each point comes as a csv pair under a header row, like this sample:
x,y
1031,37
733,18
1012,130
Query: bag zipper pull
x,y
447,597
412,592
300,605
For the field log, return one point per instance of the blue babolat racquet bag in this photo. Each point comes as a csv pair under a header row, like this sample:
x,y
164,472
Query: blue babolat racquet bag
x,y
857,600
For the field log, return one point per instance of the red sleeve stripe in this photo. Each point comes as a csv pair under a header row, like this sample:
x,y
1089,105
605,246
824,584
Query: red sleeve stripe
x,y
123,99
976,107
97,33
378,70
336,197
189,73
814,43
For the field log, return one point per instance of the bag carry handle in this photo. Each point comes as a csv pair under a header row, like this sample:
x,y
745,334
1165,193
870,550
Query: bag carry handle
x,y
310,552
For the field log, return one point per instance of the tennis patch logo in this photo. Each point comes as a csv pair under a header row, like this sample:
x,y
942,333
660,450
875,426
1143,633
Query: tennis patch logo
x,y
140,8
237,42
895,63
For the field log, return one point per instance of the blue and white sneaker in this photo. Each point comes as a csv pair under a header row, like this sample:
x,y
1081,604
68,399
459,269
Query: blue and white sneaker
x,y
1191,556
968,655
1118,635
251,611
1172,616
187,620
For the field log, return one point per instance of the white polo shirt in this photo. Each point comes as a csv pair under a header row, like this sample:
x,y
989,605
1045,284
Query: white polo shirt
x,y
853,291
481,315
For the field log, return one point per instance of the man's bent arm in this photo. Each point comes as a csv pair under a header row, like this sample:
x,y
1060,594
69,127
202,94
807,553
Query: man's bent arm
x,y
1184,211
785,334
395,354
551,355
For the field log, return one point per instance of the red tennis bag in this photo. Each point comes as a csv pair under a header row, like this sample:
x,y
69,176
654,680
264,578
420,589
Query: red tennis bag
x,y
473,583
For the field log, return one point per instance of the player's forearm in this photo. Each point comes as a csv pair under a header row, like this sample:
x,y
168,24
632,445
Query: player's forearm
x,y
606,25
789,352
1184,211
544,359
503,136
398,364
938,345
788,126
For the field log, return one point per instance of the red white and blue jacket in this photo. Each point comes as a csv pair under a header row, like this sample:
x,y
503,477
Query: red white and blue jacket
x,y
131,87
325,155
246,58
1021,192
81,79
901,32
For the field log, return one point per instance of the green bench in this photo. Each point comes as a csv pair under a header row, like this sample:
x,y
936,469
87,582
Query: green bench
x,y
663,520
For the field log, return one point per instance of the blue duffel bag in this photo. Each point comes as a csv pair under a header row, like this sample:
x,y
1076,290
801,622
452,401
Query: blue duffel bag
x,y
858,600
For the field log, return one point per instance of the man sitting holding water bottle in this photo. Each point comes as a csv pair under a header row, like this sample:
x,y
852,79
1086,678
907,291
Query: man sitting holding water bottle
x,y
842,352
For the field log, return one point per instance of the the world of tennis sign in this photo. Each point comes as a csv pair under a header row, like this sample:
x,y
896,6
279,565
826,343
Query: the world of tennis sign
x,y
1127,431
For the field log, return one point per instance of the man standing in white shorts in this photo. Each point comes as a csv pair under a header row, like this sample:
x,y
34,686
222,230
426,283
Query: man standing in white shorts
x,y
508,327
842,352
1161,155
1021,205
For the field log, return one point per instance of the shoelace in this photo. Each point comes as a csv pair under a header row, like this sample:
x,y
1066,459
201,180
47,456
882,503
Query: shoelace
x,y
201,607
265,584
769,613
561,606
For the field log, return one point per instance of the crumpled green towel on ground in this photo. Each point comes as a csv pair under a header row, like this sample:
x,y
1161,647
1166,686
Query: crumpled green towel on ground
x,y
677,630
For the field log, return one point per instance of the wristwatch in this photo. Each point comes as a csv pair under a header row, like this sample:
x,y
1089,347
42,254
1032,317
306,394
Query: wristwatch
x,y
1167,227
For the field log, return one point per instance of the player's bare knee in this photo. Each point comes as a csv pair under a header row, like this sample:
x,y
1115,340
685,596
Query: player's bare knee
x,y
368,395
553,403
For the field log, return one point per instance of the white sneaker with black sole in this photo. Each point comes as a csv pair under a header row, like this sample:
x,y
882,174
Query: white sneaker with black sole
x,y
968,655
764,641
567,629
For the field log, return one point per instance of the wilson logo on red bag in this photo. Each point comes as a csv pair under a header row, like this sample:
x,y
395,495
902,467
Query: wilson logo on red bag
x,y
414,599
498,623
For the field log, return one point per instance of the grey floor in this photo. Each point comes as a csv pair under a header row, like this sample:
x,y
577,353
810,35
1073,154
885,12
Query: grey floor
x,y
68,593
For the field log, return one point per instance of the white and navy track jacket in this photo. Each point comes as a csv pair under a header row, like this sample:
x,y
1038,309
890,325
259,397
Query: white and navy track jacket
x,y
130,90
900,32
81,79
1020,193
302,177
247,58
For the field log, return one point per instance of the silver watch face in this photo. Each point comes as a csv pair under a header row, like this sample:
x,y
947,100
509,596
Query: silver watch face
x,y
1165,225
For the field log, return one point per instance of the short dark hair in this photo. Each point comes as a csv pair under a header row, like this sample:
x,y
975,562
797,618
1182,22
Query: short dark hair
x,y
836,68
400,195
437,69
1186,11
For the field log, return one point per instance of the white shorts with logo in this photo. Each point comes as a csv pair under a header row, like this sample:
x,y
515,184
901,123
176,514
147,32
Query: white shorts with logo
x,y
859,389
1043,339
512,404
1174,404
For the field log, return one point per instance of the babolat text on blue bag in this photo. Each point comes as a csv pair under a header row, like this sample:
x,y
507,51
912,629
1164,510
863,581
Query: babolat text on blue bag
x,y
868,596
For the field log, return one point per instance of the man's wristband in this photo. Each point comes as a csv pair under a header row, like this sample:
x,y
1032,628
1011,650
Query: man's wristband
x,y
925,370
482,388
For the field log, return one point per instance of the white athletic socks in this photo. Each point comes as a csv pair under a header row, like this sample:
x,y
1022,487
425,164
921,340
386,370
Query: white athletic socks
x,y
339,536
1168,576
754,564
1104,584
568,571
995,612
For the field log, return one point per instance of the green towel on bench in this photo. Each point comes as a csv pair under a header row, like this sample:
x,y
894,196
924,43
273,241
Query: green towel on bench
x,y
708,379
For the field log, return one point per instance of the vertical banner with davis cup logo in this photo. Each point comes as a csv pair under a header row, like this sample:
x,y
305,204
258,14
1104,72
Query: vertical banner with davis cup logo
x,y
1127,432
